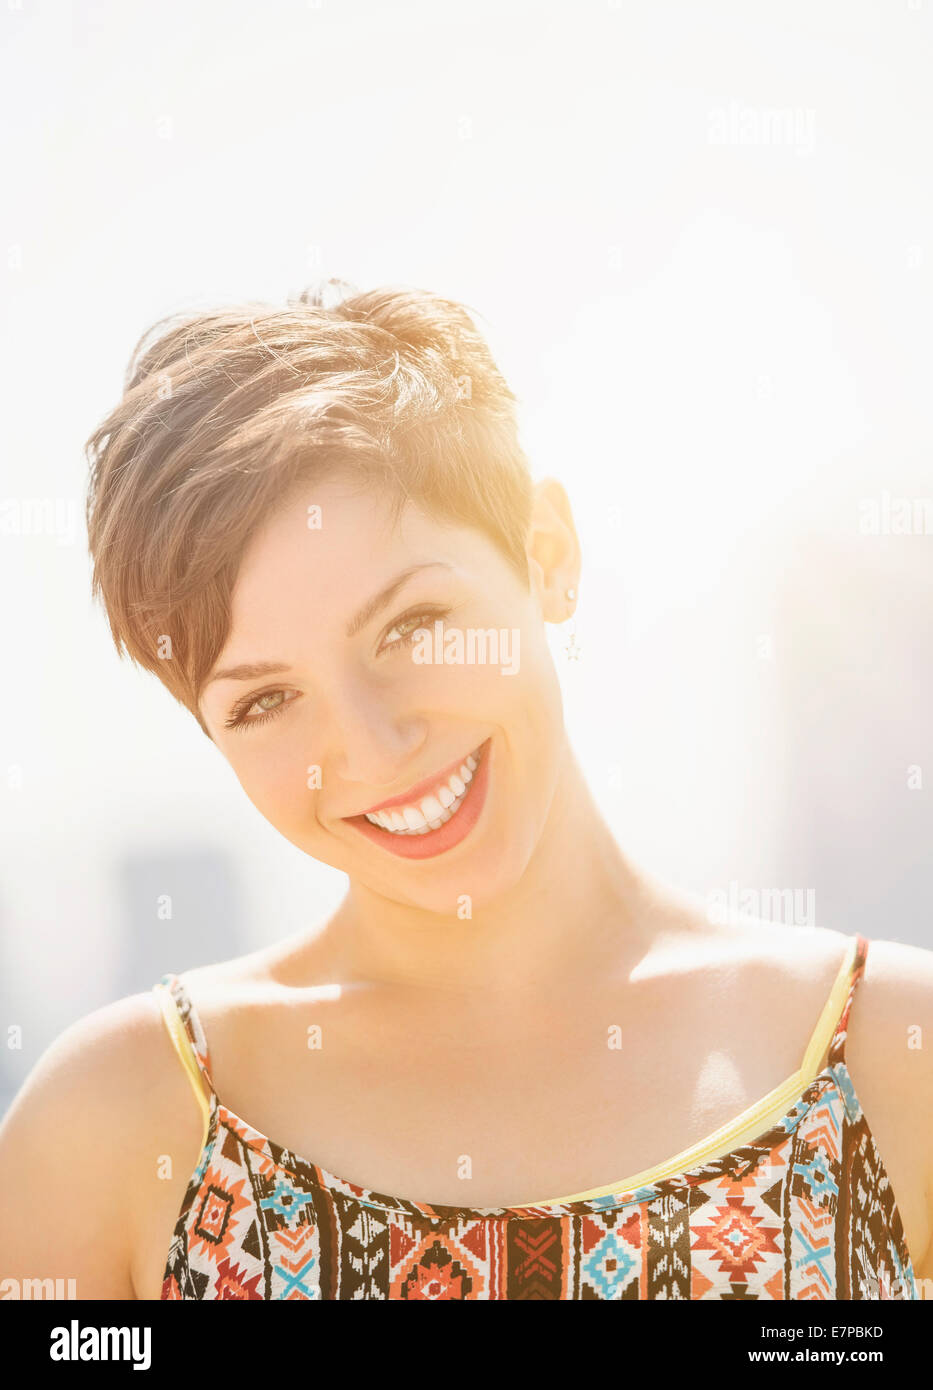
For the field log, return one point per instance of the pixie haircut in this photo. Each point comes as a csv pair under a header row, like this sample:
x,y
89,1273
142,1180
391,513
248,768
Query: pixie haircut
x,y
225,411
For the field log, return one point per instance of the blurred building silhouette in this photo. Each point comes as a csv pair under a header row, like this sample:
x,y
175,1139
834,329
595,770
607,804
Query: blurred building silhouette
x,y
181,909
176,908
854,621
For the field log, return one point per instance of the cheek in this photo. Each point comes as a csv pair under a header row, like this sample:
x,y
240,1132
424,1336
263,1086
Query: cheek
x,y
519,693
521,700
534,686
276,780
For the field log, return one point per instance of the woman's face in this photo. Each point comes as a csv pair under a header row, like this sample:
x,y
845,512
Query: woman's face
x,y
348,718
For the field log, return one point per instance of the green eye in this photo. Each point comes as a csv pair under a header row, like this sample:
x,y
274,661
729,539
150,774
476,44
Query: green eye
x,y
240,718
409,624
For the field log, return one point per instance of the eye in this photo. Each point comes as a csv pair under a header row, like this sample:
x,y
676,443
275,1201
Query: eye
x,y
408,624
270,703
240,717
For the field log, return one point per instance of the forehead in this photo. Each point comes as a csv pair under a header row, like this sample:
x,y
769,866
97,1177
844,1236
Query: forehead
x,y
324,553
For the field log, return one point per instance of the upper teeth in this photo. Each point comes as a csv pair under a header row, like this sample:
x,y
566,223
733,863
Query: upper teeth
x,y
433,810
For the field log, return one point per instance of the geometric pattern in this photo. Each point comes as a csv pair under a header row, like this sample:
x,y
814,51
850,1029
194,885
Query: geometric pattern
x,y
805,1211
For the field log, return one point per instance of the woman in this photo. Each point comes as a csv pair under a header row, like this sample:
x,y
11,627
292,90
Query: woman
x,y
316,526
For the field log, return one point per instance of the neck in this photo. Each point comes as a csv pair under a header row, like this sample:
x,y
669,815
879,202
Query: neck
x,y
564,918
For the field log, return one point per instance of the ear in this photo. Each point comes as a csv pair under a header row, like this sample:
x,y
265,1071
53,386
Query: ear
x,y
553,550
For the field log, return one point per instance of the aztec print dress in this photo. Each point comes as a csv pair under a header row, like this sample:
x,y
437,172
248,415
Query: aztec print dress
x,y
802,1211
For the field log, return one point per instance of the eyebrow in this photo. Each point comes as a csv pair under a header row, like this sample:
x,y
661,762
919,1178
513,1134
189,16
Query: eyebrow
x,y
252,670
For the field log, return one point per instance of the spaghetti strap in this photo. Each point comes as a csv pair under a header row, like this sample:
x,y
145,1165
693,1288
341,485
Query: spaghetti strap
x,y
837,1046
187,1035
824,1032
194,1032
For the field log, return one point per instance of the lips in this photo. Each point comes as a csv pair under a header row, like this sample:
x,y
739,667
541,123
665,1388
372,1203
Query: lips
x,y
411,836
420,789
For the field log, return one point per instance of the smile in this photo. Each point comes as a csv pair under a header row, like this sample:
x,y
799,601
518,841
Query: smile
x,y
432,811
433,816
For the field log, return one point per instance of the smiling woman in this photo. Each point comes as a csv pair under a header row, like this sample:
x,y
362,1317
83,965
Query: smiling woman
x,y
284,502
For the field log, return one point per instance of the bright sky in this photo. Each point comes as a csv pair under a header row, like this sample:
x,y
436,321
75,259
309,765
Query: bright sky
x,y
700,240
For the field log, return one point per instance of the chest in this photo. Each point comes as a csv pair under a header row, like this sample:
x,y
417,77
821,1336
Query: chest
x,y
447,1112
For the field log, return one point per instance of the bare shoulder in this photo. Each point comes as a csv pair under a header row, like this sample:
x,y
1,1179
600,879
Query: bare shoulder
x,y
898,986
92,1072
774,977
896,989
84,1125
786,973
889,1046
890,1028
889,1055
897,982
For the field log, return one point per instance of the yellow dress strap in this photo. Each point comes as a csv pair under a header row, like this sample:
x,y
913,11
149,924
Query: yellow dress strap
x,y
832,1010
184,1048
753,1121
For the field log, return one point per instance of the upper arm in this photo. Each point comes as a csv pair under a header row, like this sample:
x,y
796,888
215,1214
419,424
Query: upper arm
x,y
68,1155
890,1052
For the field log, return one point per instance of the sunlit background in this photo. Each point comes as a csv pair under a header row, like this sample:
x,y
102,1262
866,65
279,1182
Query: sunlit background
x,y
700,239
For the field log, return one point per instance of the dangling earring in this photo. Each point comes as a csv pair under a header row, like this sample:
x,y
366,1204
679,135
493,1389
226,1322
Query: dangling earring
x,y
572,649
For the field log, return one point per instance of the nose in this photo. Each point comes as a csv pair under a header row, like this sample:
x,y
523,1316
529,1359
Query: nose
x,y
371,742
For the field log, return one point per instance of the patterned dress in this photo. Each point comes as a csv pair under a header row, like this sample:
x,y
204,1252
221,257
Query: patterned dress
x,y
803,1211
